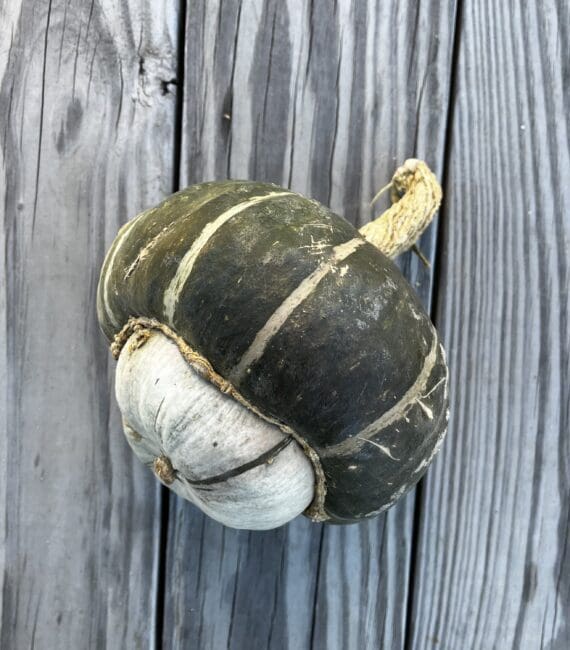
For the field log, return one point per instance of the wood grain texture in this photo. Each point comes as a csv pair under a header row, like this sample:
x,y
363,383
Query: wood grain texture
x,y
493,569
327,100
86,141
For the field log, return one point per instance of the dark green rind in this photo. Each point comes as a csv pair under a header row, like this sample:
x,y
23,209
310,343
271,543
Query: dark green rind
x,y
344,357
363,481
249,267
346,354
184,216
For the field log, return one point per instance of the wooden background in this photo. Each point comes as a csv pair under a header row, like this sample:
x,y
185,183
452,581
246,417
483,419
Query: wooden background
x,y
108,105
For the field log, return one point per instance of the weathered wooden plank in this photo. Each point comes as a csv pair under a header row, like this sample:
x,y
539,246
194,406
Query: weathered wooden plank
x,y
328,100
86,134
494,561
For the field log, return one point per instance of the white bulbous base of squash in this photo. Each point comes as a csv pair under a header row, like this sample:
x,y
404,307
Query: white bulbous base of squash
x,y
207,447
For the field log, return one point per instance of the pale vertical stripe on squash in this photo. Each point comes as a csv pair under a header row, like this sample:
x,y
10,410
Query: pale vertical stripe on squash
x,y
119,241
286,308
176,286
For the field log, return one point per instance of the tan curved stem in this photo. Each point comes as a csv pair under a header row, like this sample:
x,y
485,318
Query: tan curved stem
x,y
416,196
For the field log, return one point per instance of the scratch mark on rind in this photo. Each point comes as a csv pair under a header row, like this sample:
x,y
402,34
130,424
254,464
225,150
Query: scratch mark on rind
x,y
383,448
426,409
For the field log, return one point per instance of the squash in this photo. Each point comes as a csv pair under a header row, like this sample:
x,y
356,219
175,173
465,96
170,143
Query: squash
x,y
272,358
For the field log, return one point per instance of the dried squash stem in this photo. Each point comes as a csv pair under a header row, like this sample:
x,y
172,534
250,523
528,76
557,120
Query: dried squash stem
x,y
416,196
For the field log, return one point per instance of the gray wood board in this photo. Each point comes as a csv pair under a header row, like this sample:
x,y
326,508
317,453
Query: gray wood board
x,y
328,100
86,142
493,567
